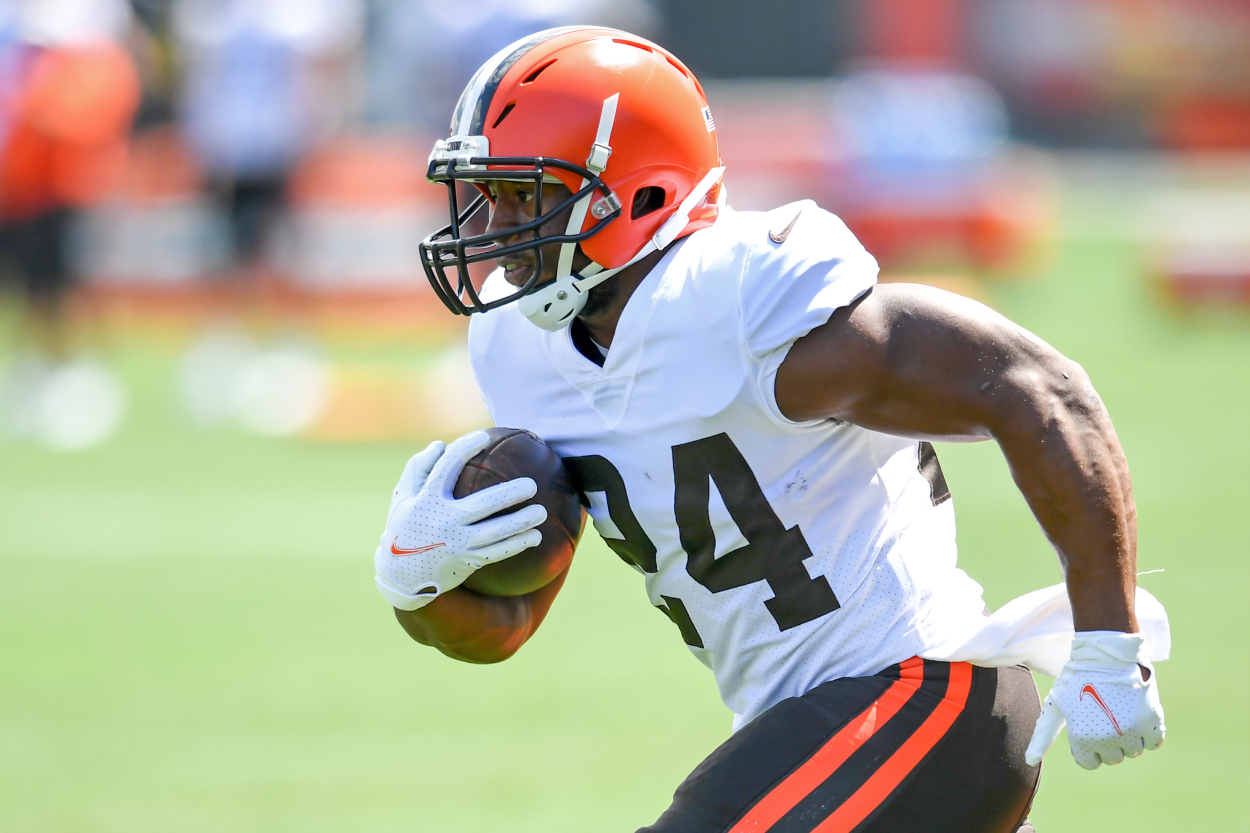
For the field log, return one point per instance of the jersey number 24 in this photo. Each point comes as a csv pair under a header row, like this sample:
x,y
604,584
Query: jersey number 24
x,y
772,553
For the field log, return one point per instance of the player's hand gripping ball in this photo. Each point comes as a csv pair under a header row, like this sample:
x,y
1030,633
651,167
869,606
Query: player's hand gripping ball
x,y
484,500
513,453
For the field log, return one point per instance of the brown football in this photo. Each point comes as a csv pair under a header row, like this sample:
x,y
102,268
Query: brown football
x,y
514,453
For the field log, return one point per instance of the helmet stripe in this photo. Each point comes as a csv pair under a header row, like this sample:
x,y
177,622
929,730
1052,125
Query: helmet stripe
x,y
470,115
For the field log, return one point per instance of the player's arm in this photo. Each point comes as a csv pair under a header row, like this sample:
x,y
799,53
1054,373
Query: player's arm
x,y
433,541
475,628
923,363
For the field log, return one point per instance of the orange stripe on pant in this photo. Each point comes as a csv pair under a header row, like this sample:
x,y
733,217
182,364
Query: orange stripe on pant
x,y
813,772
878,787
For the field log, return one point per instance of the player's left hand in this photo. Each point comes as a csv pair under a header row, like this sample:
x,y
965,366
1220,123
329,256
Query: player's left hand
x,y
1110,710
434,541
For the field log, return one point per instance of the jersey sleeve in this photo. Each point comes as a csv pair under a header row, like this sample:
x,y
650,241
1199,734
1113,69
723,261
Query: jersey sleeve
x,y
790,288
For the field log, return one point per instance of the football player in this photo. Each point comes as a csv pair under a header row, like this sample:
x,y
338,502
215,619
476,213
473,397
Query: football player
x,y
748,417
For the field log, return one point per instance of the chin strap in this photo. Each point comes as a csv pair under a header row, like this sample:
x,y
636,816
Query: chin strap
x,y
556,305
597,162
595,274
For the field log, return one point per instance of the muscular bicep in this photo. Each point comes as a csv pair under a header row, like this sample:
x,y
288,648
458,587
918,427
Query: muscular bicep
x,y
918,362
923,363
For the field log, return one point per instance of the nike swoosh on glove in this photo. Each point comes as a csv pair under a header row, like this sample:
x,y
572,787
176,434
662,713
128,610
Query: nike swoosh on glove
x,y
433,541
1110,711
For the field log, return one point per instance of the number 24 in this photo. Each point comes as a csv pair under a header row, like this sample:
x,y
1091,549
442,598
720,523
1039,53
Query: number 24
x,y
772,553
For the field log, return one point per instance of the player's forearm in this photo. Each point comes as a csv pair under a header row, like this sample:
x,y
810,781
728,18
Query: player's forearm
x,y
1067,461
472,627
469,627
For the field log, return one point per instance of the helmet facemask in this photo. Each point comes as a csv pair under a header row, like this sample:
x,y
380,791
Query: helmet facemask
x,y
449,250
554,304
548,105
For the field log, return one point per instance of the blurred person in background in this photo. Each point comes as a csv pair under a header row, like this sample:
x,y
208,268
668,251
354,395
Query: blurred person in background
x,y
68,95
262,82
420,55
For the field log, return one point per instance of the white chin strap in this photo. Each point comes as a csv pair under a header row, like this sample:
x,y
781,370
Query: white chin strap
x,y
556,305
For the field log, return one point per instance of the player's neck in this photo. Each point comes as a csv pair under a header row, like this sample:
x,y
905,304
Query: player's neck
x,y
602,314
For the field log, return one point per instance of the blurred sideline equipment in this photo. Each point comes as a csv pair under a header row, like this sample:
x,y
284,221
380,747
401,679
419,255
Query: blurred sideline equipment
x,y
66,406
923,177
511,454
274,390
1199,243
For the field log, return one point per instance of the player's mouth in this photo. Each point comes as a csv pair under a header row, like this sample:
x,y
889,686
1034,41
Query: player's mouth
x,y
515,271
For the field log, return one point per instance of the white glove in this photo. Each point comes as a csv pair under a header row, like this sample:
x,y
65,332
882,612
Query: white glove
x,y
1109,710
433,542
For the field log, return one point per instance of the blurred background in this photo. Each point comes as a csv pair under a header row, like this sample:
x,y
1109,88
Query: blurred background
x,y
217,350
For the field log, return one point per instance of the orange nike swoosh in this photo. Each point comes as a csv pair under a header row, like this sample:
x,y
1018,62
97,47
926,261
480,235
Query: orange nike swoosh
x,y
1093,692
415,550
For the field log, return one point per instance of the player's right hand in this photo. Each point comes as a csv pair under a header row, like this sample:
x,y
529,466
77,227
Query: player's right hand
x,y
434,541
1111,710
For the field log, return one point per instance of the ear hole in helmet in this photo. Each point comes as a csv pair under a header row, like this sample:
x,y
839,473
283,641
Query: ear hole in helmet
x,y
504,114
646,200
529,79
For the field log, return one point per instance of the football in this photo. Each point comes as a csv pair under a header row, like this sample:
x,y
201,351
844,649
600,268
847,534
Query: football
x,y
514,453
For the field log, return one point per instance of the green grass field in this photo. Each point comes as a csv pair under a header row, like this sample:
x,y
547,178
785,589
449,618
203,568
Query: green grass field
x,y
190,639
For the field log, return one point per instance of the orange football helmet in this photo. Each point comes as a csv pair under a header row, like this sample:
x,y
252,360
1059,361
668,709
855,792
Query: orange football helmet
x,y
603,112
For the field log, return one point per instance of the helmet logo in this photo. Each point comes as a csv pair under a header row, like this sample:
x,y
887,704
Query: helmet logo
x,y
707,119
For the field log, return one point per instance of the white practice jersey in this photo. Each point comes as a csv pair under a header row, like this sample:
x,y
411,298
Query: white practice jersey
x,y
788,554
